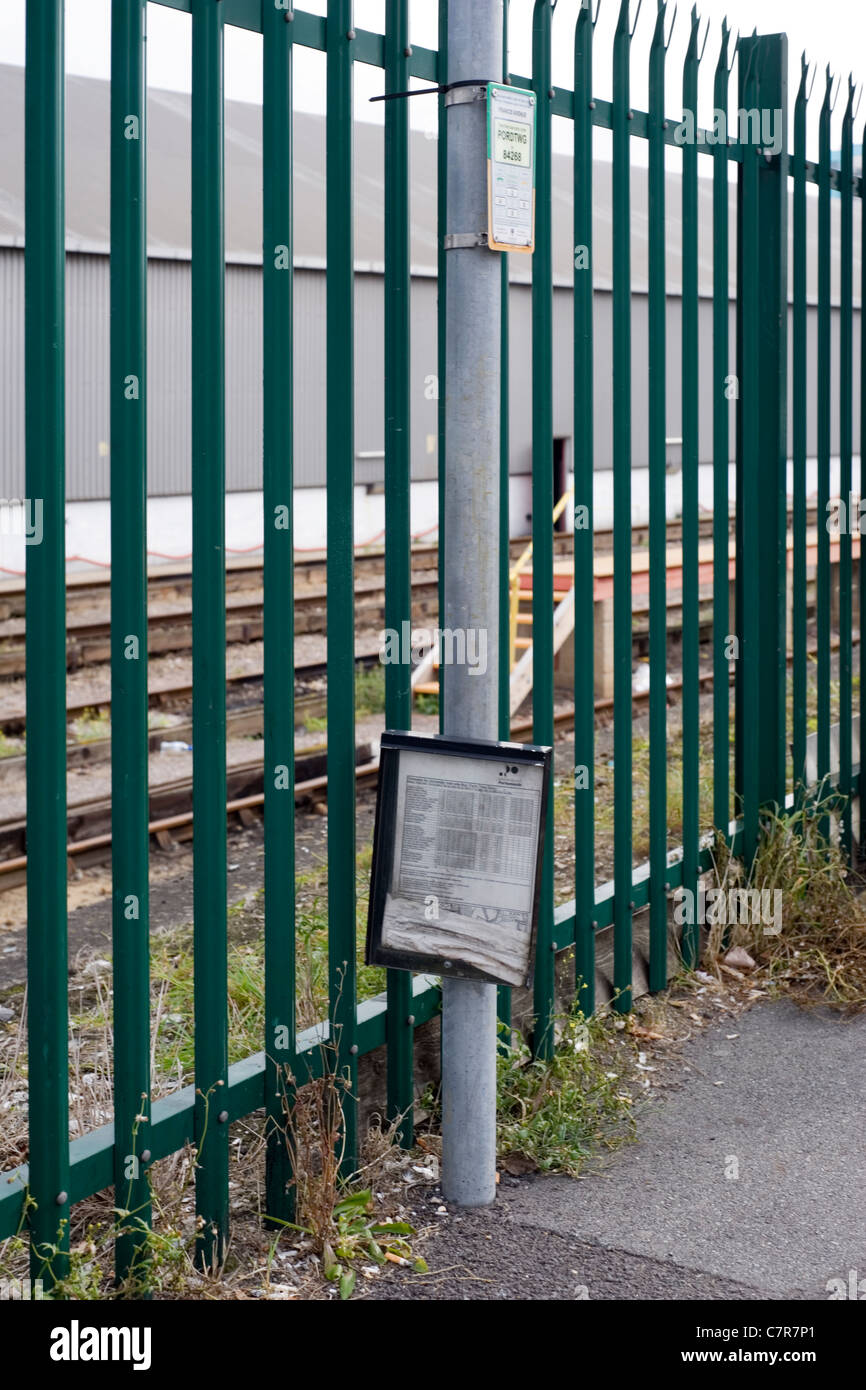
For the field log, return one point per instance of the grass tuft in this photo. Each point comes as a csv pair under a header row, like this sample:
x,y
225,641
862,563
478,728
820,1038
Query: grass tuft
x,y
819,955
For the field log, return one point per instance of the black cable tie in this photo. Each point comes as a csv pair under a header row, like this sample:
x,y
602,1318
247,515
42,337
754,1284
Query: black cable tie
x,y
431,91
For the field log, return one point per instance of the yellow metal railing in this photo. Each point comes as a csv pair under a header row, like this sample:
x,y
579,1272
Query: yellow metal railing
x,y
514,578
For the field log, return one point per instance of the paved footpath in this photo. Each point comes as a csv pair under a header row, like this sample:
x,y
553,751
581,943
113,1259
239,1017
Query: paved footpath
x,y
667,1219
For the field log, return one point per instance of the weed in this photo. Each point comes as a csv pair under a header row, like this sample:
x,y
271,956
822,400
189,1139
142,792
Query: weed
x,y
91,725
427,703
11,747
820,953
369,691
556,1113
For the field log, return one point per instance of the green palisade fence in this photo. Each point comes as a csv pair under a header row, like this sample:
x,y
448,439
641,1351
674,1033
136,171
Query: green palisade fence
x,y
770,747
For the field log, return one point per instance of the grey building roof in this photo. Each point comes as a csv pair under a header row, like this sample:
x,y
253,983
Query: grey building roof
x,y
168,136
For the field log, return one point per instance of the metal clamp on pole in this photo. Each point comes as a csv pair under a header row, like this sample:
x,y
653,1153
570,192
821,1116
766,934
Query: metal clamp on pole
x,y
461,94
461,241
475,86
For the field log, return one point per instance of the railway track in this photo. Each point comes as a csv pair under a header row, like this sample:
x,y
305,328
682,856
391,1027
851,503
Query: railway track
x,y
176,695
171,816
170,624
170,620
89,822
170,596
172,581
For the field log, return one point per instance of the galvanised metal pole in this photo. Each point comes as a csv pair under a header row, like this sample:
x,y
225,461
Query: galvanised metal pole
x,y
471,579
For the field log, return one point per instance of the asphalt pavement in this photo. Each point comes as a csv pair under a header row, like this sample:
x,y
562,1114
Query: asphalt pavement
x,y
748,1181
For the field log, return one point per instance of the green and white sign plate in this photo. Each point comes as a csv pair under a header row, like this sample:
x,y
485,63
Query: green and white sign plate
x,y
510,168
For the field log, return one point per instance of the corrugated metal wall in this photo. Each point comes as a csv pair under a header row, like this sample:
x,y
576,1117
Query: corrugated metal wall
x,y
87,336
169,427
12,374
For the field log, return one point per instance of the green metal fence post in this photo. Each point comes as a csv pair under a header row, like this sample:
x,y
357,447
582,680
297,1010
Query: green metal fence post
x,y
278,582
503,996
342,889
542,500
44,364
441,272
209,632
862,555
761,459
799,421
398,468
822,599
846,371
622,529
584,540
721,454
657,309
129,729
691,704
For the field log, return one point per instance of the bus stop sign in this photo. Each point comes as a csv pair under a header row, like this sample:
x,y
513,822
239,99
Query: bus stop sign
x,y
510,168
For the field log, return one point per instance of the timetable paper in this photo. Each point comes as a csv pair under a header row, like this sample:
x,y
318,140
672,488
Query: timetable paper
x,y
463,878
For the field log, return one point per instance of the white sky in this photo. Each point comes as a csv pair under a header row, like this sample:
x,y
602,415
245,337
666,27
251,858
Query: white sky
x,y
831,31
